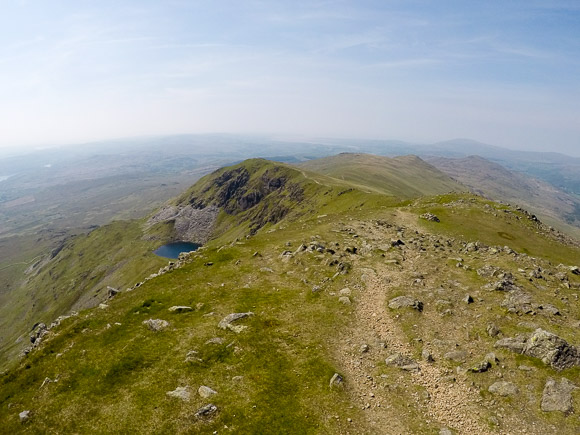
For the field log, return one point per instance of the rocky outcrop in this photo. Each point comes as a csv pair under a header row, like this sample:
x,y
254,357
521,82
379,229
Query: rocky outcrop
x,y
551,349
190,224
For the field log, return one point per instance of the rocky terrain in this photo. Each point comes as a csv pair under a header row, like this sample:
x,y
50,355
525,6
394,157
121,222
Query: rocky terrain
x,y
315,307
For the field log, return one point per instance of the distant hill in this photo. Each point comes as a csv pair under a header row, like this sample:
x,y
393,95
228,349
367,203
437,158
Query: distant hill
x,y
403,177
496,182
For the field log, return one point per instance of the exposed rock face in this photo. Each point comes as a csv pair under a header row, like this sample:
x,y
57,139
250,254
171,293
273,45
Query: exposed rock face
x,y
503,389
406,302
550,348
558,396
226,322
190,224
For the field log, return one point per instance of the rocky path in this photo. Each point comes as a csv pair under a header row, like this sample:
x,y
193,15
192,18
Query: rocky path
x,y
448,404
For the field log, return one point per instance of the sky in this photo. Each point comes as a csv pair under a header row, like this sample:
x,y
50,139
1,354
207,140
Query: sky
x,y
501,72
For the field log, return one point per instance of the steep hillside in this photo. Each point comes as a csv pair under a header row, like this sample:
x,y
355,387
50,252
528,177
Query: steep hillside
x,y
403,177
315,307
486,178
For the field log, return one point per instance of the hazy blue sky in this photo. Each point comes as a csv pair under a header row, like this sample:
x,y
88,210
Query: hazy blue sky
x,y
502,72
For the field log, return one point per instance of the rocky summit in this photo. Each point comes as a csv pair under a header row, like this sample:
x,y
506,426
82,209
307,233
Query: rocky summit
x,y
323,300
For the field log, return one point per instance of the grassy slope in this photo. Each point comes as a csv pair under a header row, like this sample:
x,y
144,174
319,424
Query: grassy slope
x,y
483,177
403,177
109,373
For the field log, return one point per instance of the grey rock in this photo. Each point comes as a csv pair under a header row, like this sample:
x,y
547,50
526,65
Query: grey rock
x,y
205,391
575,270
468,299
483,366
344,300
515,344
552,350
456,355
445,431
24,416
206,411
518,302
503,388
180,309
558,396
345,292
427,356
491,358
549,309
181,393
215,340
493,330
156,325
364,348
336,381
430,217
403,362
406,302
226,322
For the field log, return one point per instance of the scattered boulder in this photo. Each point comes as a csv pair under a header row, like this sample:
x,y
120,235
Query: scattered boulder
x,y
549,309
336,381
364,348
575,270
483,366
406,302
345,292
503,388
344,300
156,325
430,217
191,356
180,309
558,396
206,392
206,411
515,344
215,340
24,416
427,356
518,302
456,355
493,330
468,299
226,322
403,362
181,393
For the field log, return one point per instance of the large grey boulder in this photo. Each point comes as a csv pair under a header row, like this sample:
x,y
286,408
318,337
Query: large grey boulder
x,y
226,322
551,349
558,396
406,302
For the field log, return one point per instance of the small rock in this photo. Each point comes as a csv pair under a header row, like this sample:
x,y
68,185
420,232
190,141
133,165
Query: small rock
x,y
226,322
215,340
156,325
266,269
24,416
427,356
456,355
483,366
403,362
206,411
180,393
558,396
445,431
468,299
430,217
237,379
406,302
336,381
345,292
344,300
180,309
364,348
206,392
493,330
504,389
